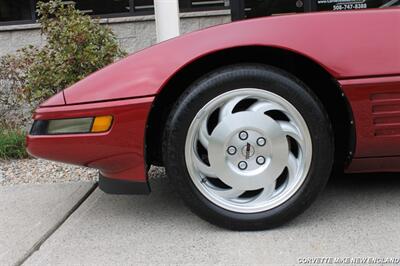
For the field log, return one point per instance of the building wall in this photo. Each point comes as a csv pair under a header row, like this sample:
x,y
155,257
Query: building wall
x,y
133,33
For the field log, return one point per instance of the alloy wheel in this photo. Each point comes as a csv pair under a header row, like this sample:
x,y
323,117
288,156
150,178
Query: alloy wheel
x,y
248,150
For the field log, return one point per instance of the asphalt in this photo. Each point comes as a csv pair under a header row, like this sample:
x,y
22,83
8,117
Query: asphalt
x,y
356,216
30,213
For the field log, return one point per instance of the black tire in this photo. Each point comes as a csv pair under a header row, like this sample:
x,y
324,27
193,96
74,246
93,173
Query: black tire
x,y
248,76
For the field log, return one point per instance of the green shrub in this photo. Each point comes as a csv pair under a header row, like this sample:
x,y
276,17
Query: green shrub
x,y
12,144
76,46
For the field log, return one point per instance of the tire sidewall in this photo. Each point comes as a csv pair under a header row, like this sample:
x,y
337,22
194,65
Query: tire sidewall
x,y
237,77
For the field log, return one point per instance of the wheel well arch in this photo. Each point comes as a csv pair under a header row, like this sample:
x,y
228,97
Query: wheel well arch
x,y
312,74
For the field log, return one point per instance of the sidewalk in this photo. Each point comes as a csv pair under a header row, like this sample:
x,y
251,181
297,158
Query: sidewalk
x,y
357,216
30,213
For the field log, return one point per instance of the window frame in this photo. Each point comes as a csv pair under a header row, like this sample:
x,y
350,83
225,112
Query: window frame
x,y
184,7
32,4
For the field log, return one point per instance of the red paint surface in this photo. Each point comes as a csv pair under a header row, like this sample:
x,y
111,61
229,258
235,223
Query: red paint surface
x,y
376,109
56,100
347,44
376,164
118,153
360,49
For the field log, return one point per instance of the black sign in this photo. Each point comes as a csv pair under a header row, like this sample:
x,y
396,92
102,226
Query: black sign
x,y
341,5
242,9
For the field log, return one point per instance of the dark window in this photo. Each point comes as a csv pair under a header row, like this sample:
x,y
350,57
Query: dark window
x,y
15,10
102,7
23,11
143,5
259,8
106,7
208,4
393,3
199,5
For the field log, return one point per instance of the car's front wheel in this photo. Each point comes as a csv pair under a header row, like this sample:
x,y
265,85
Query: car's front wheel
x,y
248,147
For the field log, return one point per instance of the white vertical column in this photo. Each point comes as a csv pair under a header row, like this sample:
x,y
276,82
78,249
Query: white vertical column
x,y
167,19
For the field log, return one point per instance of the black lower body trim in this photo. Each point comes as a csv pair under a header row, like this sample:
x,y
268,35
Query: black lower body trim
x,y
123,187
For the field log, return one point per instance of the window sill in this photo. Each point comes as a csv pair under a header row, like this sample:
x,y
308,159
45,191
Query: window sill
x,y
115,20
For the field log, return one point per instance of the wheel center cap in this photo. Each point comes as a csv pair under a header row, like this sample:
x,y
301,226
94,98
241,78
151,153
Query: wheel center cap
x,y
248,151
240,132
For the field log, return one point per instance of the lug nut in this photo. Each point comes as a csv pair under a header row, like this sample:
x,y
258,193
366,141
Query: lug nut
x,y
231,150
242,165
260,160
261,142
243,135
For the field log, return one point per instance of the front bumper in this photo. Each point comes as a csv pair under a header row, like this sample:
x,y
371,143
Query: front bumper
x,y
117,153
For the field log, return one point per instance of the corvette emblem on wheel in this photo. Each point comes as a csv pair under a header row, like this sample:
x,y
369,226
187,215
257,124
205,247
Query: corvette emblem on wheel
x,y
248,151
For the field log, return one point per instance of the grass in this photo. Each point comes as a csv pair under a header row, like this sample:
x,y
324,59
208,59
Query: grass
x,y
12,144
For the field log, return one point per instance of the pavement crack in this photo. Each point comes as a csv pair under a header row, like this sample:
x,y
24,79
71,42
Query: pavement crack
x,y
53,229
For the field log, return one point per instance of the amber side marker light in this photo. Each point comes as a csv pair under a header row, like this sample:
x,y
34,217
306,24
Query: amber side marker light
x,y
101,123
96,124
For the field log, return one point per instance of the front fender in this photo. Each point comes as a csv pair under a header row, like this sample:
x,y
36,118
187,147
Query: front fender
x,y
346,44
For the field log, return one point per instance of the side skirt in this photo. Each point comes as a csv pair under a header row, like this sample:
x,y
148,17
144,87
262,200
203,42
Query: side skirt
x,y
373,165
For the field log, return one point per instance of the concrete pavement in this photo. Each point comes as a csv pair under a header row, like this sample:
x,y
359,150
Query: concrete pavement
x,y
356,216
29,213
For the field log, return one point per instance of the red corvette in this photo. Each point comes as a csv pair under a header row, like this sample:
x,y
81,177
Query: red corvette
x,y
248,117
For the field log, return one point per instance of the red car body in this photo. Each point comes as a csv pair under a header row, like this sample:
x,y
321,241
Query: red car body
x,y
360,50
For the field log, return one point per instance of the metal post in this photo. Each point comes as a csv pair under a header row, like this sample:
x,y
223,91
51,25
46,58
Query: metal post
x,y
237,9
167,19
310,5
